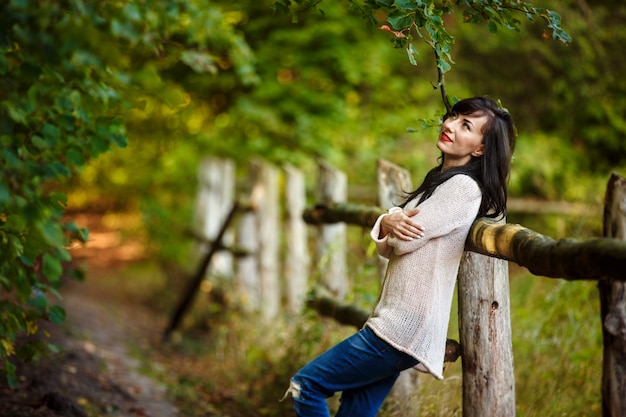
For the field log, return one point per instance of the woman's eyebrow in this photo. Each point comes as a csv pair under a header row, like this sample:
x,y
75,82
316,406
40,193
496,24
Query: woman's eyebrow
x,y
468,121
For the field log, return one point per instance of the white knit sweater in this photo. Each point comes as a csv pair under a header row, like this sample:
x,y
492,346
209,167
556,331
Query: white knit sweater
x,y
413,310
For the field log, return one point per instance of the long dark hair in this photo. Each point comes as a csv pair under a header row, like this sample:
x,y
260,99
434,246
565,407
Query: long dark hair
x,y
491,169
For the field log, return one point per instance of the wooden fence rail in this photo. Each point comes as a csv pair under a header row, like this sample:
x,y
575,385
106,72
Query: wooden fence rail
x,y
571,259
484,304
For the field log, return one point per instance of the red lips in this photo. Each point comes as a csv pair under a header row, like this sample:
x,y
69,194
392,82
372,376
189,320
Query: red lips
x,y
445,138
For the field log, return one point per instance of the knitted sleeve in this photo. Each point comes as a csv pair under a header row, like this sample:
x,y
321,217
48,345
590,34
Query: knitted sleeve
x,y
382,247
454,203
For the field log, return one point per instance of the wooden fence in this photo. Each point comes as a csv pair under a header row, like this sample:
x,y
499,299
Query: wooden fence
x,y
258,235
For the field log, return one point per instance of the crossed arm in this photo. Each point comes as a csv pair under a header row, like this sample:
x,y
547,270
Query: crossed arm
x,y
454,203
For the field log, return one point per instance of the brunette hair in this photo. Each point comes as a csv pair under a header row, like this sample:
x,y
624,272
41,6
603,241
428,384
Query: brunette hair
x,y
491,169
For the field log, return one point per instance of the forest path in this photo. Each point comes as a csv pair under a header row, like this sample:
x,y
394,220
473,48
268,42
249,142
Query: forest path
x,y
97,373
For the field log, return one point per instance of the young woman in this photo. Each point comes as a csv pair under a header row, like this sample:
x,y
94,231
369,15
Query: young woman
x,y
424,239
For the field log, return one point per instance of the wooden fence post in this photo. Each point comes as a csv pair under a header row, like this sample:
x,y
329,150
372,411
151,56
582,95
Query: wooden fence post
x,y
297,254
216,195
265,202
613,308
485,335
331,244
247,271
393,182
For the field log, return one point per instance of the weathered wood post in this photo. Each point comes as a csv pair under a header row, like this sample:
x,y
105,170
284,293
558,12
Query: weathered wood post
x,y
485,335
297,255
332,188
247,266
393,183
264,200
216,194
613,308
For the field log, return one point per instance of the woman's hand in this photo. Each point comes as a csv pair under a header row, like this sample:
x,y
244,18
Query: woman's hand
x,y
400,224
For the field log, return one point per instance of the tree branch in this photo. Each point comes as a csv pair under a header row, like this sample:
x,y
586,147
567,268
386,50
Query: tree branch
x,y
441,84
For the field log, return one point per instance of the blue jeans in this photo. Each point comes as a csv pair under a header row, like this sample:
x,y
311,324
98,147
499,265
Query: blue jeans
x,y
364,367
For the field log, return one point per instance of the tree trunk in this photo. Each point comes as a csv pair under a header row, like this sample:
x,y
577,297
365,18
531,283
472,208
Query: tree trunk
x,y
613,308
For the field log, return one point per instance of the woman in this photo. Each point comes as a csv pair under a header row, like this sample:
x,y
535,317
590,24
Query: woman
x,y
424,239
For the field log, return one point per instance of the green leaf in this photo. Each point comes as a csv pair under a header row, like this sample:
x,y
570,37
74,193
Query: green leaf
x,y
39,142
5,196
51,134
406,4
51,267
401,21
54,348
75,157
412,53
9,372
52,233
57,169
16,247
63,255
443,65
40,303
56,314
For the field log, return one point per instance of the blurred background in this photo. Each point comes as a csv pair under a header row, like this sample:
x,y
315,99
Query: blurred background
x,y
238,80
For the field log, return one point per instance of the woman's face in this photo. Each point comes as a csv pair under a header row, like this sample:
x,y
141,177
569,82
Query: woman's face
x,y
461,138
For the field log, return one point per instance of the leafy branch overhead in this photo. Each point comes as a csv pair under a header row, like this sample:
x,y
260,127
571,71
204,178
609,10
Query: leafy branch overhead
x,y
409,20
70,72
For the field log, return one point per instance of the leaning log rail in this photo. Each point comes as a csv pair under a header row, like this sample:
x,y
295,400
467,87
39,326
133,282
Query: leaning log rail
x,y
570,259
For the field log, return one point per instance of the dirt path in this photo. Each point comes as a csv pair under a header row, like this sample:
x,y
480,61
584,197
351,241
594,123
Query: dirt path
x,y
97,373
107,329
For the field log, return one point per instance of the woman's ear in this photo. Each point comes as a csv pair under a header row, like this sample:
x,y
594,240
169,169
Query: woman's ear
x,y
479,151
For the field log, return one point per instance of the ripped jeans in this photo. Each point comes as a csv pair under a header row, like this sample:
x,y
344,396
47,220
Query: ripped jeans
x,y
364,367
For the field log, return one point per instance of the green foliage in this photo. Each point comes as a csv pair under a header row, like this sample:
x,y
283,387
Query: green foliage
x,y
574,94
66,80
51,123
426,20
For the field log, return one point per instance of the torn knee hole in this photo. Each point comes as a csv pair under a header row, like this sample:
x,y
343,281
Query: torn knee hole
x,y
294,390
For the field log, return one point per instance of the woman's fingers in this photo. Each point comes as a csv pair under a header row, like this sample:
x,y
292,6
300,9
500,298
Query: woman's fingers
x,y
412,212
403,227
